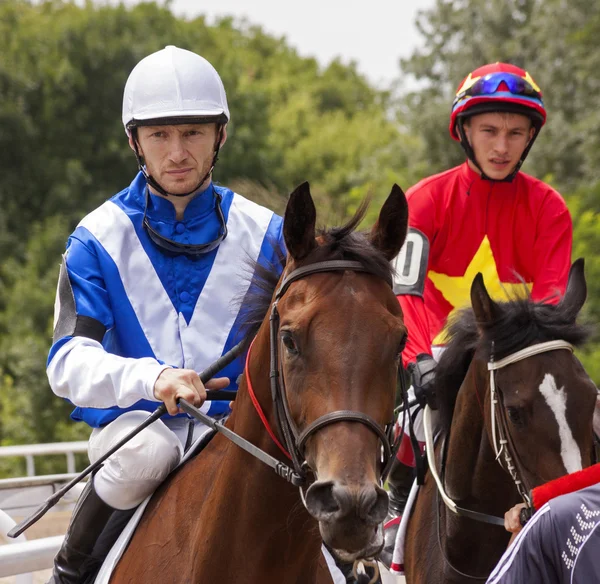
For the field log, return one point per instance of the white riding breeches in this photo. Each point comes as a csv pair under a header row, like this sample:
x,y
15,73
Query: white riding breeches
x,y
134,471
417,421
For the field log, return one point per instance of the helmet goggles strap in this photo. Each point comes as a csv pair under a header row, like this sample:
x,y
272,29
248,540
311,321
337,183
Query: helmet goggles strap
x,y
189,249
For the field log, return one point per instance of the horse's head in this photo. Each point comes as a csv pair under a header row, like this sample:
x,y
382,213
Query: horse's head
x,y
545,399
339,337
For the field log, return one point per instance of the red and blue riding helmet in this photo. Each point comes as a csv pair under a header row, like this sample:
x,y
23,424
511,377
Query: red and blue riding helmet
x,y
497,87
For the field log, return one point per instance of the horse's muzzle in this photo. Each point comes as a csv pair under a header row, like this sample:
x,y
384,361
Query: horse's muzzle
x,y
348,516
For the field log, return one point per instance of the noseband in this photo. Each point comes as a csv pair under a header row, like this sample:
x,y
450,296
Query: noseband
x,y
294,440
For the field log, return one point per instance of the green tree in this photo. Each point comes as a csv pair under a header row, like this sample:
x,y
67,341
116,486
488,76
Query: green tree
x,y
553,39
63,151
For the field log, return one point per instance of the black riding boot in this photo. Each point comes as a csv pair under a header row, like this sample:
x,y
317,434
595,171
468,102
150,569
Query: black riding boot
x,y
400,481
78,559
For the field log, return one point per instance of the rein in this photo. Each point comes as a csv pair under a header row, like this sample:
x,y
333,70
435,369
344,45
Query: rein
x,y
257,407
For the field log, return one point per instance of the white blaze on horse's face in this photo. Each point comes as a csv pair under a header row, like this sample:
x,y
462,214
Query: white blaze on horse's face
x,y
557,402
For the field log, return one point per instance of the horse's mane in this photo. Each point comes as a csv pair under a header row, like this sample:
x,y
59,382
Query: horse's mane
x,y
336,243
520,322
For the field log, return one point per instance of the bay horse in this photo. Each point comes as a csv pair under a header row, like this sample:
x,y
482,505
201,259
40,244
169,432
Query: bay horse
x,y
518,354
333,351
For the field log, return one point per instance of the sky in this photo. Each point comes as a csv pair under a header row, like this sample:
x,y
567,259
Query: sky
x,y
374,33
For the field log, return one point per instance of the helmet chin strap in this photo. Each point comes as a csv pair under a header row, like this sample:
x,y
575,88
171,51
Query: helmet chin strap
x,y
464,142
154,183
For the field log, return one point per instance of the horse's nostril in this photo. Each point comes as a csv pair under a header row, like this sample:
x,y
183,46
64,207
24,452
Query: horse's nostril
x,y
379,507
372,504
327,500
321,501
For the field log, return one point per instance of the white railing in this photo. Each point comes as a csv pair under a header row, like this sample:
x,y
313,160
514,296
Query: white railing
x,y
21,557
69,449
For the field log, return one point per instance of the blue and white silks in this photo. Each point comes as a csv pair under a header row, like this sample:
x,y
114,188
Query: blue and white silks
x,y
159,309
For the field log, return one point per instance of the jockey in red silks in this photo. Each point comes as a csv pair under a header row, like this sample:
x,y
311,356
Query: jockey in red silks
x,y
482,216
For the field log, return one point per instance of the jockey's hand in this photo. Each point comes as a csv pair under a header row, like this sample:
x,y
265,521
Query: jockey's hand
x,y
512,518
174,384
423,380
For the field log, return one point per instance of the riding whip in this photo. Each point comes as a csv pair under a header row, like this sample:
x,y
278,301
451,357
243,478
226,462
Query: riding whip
x,y
161,410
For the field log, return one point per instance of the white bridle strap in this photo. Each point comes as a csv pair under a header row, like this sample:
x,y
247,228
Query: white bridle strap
x,y
529,352
429,447
509,360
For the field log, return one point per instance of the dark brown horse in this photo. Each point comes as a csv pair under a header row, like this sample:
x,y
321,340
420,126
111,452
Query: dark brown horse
x,y
225,516
541,425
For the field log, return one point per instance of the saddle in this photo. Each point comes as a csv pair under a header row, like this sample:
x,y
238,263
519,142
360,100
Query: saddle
x,y
114,555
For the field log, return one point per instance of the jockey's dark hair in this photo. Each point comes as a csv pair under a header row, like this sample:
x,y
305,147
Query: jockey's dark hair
x,y
521,322
337,243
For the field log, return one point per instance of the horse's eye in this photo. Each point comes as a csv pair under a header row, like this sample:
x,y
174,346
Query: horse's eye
x,y
515,415
288,343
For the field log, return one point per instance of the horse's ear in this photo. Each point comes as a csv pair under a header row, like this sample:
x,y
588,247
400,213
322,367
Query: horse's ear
x,y
576,292
389,233
299,223
485,309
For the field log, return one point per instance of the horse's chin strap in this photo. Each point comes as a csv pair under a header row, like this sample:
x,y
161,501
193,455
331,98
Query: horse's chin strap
x,y
429,444
503,438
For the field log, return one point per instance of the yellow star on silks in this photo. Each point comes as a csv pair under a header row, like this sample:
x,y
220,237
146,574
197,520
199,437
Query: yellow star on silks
x,y
457,289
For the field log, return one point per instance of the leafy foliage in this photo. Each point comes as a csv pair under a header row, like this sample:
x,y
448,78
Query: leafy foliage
x,y
63,149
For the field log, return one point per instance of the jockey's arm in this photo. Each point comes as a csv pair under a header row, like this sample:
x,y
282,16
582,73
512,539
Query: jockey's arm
x,y
417,324
412,266
552,249
79,368
531,557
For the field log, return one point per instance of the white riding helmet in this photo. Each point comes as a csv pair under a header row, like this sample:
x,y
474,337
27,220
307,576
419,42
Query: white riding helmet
x,y
172,84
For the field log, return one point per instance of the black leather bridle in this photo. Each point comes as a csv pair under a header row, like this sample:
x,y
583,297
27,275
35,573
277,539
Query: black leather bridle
x,y
294,440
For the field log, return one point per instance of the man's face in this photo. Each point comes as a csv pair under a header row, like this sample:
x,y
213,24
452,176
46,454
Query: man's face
x,y
498,140
179,156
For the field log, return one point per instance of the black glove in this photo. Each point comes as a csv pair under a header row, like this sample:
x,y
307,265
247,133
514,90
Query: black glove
x,y
423,380
525,515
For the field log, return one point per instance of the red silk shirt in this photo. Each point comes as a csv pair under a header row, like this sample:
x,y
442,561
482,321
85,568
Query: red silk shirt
x,y
511,232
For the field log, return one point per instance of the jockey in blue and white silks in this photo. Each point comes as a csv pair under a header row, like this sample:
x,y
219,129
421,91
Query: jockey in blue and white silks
x,y
153,310
149,294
